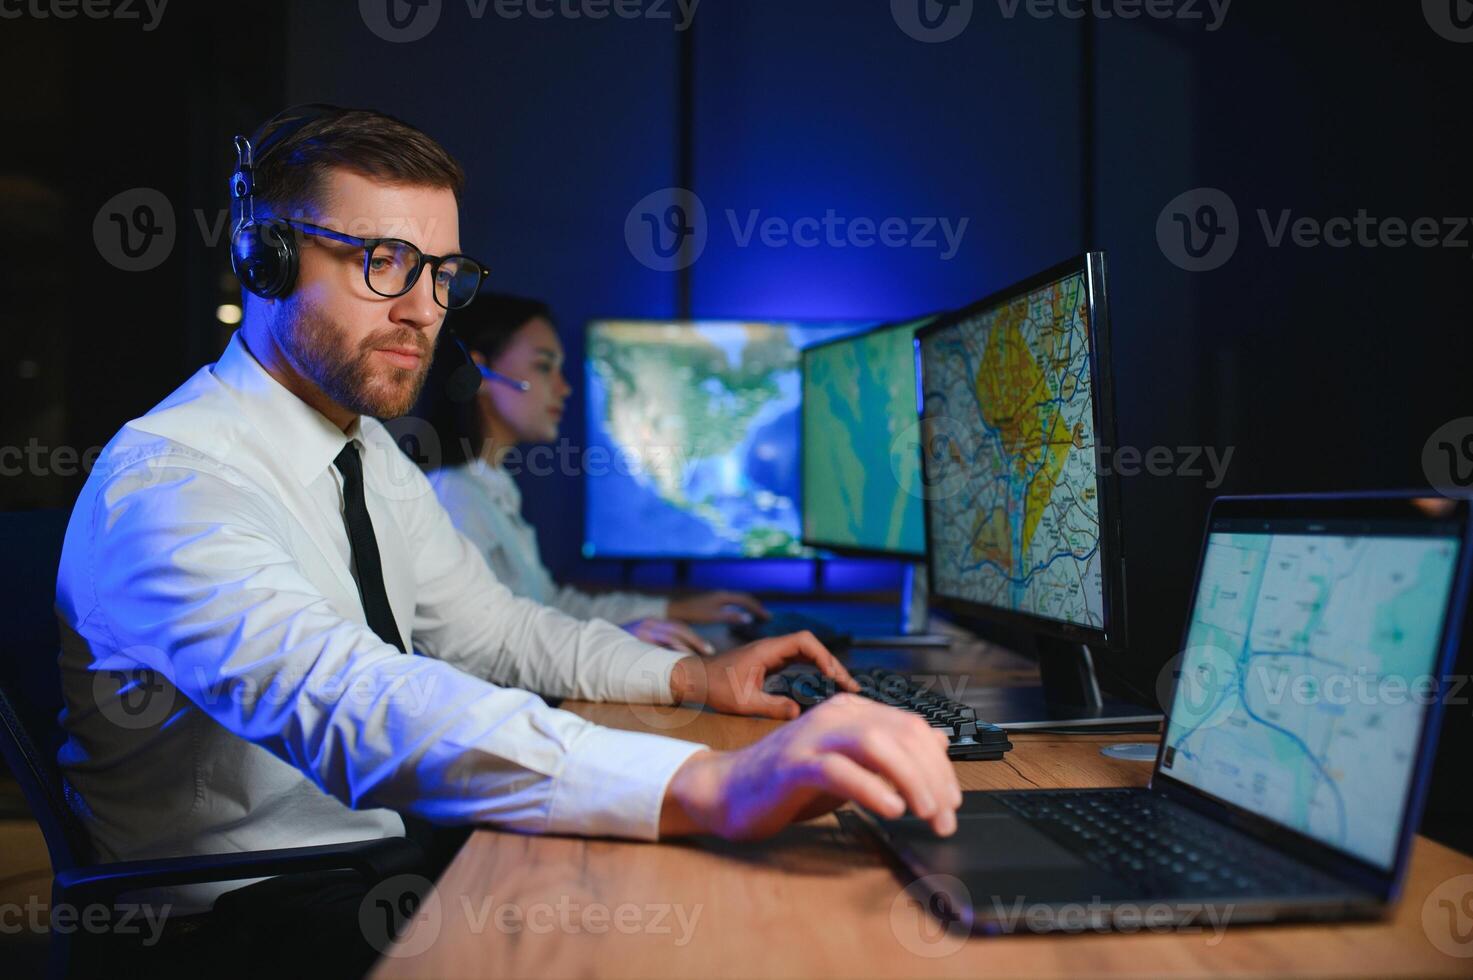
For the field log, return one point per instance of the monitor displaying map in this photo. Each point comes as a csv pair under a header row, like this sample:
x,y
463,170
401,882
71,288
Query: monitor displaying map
x,y
1011,487
693,438
1307,672
861,451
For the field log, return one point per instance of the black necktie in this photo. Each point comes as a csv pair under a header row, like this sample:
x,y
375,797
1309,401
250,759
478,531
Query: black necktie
x,y
364,547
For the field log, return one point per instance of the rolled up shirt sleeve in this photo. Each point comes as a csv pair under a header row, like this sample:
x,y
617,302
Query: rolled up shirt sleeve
x,y
193,577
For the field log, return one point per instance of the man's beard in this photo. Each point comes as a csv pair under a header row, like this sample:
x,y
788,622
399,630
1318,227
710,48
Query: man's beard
x,y
317,346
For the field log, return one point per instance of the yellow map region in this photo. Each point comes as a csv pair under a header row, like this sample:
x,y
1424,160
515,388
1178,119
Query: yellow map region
x,y
1019,391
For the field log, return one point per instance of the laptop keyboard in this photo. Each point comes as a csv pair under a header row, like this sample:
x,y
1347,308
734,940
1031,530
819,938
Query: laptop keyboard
x,y
969,738
1163,847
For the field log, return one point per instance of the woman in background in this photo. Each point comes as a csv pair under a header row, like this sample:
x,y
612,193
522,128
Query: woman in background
x,y
513,342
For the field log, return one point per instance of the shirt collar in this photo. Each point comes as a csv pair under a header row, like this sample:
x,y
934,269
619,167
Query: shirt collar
x,y
304,439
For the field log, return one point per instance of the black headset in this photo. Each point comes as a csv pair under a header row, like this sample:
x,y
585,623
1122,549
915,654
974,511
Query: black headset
x,y
263,254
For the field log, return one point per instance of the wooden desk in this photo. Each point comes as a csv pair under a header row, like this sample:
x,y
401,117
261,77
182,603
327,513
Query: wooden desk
x,y
813,903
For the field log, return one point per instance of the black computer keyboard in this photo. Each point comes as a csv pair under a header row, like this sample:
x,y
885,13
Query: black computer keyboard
x,y
970,738
783,623
1161,846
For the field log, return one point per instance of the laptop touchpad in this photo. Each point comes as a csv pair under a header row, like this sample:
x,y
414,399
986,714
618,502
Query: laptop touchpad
x,y
986,842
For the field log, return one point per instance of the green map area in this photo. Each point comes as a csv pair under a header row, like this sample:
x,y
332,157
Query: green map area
x,y
1010,425
861,461
1297,697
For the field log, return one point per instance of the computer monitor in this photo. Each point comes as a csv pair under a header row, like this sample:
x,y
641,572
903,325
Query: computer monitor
x,y
693,431
1022,520
861,460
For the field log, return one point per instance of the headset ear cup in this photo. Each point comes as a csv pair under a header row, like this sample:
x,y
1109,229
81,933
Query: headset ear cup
x,y
264,257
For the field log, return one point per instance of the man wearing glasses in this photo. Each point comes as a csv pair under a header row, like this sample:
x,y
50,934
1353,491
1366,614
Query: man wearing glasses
x,y
273,636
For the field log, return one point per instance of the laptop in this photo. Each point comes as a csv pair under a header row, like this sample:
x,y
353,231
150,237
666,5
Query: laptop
x,y
1290,779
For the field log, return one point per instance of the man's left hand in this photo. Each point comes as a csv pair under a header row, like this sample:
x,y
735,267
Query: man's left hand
x,y
732,682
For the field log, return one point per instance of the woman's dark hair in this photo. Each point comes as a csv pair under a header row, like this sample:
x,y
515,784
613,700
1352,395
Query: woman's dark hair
x,y
486,327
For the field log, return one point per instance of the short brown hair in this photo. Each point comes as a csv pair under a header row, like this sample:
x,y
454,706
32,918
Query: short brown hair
x,y
290,174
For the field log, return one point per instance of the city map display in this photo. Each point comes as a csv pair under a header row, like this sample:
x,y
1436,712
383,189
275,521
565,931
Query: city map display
x,y
1009,457
1304,683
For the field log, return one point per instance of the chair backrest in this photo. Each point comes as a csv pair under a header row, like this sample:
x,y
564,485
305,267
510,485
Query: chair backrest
x,y
30,680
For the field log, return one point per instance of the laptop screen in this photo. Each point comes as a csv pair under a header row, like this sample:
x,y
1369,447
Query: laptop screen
x,y
1308,670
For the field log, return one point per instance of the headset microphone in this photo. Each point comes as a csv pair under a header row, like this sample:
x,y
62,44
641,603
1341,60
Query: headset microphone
x,y
500,378
465,380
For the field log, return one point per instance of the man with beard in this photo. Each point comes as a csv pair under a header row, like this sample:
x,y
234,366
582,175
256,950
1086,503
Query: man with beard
x,y
273,636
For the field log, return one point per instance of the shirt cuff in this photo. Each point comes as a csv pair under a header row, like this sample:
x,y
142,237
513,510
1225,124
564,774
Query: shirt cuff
x,y
613,783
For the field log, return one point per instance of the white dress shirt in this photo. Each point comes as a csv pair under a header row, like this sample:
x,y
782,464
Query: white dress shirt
x,y
223,692
486,506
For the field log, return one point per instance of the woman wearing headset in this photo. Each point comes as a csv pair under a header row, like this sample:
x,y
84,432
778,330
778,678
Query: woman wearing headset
x,y
513,342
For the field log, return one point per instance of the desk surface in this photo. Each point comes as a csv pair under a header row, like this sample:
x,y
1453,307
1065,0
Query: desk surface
x,y
814,903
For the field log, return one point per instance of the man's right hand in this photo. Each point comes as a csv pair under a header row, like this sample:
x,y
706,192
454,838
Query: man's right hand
x,y
847,748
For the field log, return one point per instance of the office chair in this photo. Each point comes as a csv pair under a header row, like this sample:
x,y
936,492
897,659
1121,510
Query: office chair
x,y
30,734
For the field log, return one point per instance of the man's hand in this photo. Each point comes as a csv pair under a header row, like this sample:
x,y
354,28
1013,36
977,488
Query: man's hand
x,y
847,748
732,681
670,635
712,607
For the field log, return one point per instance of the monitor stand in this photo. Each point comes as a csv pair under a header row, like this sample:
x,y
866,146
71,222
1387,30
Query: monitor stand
x,y
914,615
1069,696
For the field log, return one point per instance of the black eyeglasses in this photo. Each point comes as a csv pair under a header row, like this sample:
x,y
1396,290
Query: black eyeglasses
x,y
391,267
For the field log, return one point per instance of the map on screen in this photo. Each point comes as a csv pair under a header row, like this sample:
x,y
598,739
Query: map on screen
x,y
1303,687
693,438
861,461
1010,469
